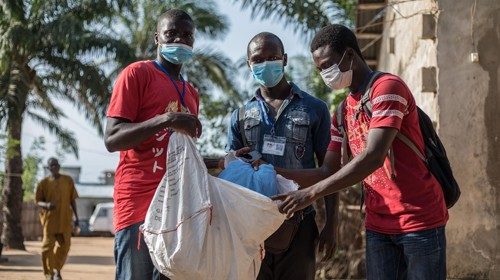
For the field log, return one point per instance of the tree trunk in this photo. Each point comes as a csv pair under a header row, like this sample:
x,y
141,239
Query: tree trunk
x,y
12,235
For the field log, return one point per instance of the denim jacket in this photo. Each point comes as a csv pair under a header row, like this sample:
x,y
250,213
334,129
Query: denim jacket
x,y
303,120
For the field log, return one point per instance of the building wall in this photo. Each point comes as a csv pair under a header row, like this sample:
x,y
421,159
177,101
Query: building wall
x,y
466,109
469,121
411,53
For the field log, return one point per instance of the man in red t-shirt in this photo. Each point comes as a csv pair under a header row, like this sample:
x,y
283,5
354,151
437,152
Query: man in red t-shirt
x,y
150,100
405,208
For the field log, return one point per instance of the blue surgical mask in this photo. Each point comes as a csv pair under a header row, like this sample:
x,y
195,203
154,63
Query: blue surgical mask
x,y
176,53
268,73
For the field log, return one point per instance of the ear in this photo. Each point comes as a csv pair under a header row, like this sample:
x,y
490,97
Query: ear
x,y
350,53
156,38
248,64
285,59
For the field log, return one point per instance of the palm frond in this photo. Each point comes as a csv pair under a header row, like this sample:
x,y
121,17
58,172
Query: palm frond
x,y
41,100
140,22
208,21
210,69
305,17
13,9
84,85
64,136
85,10
70,33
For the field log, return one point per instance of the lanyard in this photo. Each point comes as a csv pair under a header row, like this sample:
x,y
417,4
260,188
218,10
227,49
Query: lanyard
x,y
181,94
267,119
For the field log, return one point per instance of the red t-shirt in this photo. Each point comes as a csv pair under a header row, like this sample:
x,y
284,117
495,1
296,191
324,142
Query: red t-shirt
x,y
414,200
142,92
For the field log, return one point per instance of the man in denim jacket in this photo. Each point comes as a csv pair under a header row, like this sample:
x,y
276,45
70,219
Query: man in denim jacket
x,y
289,128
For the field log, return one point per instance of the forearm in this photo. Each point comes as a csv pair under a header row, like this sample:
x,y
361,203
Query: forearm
x,y
73,206
304,177
124,136
352,173
332,209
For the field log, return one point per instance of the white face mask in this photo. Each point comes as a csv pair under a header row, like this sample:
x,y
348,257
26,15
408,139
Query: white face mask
x,y
336,79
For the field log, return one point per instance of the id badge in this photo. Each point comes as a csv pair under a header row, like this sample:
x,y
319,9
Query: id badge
x,y
274,145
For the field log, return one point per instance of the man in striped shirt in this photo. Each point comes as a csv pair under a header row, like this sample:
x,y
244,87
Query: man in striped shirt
x,y
405,208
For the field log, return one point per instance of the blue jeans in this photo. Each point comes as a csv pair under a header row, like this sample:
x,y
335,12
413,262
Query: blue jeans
x,y
132,259
415,255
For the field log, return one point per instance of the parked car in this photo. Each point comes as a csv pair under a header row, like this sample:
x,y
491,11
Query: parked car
x,y
101,220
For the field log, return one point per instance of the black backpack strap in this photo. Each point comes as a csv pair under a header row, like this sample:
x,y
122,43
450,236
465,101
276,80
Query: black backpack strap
x,y
411,145
241,124
346,151
340,115
366,103
366,106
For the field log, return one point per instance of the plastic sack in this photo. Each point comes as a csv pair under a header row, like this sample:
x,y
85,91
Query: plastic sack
x,y
202,227
242,173
281,185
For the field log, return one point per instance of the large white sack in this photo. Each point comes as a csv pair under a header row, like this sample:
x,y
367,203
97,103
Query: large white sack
x,y
202,227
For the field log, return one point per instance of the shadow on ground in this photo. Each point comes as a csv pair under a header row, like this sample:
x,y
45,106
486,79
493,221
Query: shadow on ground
x,y
92,260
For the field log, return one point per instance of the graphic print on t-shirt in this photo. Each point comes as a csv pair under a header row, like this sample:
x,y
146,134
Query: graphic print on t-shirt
x,y
173,106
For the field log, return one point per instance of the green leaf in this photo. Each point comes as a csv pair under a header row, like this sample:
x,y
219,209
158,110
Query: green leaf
x,y
304,17
65,137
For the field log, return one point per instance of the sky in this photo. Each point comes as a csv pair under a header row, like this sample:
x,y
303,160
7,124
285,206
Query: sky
x,y
93,156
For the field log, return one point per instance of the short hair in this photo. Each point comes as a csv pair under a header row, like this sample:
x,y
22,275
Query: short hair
x,y
173,14
51,160
266,36
336,36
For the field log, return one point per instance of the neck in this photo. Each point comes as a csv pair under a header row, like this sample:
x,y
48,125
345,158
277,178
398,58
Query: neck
x,y
173,69
55,176
279,91
358,76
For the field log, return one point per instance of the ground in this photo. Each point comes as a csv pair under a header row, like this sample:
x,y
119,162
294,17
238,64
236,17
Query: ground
x,y
89,258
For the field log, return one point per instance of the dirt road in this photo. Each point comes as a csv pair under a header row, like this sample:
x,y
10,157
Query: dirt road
x,y
89,258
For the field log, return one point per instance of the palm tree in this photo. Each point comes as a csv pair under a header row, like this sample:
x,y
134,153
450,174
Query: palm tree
x,y
304,16
46,54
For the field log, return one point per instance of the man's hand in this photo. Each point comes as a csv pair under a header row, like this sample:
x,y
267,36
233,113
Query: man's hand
x,y
242,151
50,206
76,228
294,201
184,123
328,241
245,150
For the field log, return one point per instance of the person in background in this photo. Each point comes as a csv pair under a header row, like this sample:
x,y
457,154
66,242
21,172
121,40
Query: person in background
x,y
55,195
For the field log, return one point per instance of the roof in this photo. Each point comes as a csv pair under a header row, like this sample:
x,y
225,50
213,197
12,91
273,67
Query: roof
x,y
369,28
94,191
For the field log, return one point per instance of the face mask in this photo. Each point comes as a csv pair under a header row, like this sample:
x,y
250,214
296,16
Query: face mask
x,y
336,79
176,53
268,73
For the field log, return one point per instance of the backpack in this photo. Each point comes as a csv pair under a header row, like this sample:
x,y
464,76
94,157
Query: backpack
x,y
435,154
